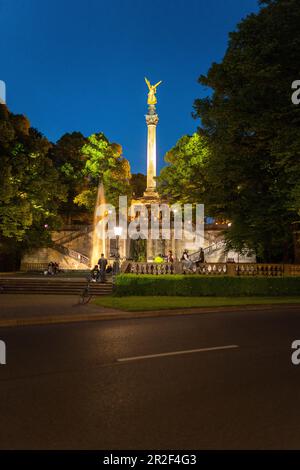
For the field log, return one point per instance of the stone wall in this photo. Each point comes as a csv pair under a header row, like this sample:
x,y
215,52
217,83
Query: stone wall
x,y
43,256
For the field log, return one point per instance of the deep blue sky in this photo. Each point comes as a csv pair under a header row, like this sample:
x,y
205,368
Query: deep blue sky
x,y
80,64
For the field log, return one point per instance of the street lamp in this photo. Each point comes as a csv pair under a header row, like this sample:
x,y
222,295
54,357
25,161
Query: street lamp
x,y
118,233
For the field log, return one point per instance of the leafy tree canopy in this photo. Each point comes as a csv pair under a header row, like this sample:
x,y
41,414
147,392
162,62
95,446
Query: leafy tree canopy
x,y
104,163
43,185
138,184
252,129
183,179
69,160
30,190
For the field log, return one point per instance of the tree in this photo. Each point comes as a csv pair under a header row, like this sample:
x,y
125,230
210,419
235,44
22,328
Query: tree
x,y
252,129
30,190
138,184
183,179
69,160
104,163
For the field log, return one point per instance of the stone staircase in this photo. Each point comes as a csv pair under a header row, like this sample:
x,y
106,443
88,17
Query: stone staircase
x,y
53,285
74,234
210,250
64,250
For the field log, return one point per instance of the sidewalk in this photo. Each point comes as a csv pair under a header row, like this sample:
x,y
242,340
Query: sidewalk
x,y
46,309
22,310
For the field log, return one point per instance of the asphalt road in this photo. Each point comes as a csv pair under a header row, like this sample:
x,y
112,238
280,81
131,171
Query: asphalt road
x,y
85,386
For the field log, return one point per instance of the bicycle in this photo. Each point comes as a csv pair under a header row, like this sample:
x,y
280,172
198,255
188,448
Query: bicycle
x,y
86,294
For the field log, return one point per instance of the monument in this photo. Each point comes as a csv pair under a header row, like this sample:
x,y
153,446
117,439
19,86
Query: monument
x,y
152,121
72,245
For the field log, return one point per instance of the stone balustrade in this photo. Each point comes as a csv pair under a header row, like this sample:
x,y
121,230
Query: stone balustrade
x,y
150,268
34,266
205,269
293,269
214,269
78,256
257,269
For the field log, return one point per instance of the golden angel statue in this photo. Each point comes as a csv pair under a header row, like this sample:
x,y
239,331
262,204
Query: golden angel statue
x,y
152,91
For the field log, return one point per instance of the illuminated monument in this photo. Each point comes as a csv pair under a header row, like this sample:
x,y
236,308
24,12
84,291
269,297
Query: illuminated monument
x,y
72,245
152,121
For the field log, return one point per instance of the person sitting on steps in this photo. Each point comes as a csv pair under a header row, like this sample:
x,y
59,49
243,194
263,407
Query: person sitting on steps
x,y
94,273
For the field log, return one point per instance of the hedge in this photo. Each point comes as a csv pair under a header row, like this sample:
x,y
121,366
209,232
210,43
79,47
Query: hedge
x,y
221,286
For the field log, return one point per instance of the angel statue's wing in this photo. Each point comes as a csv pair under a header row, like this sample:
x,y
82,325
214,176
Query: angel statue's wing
x,y
158,83
148,83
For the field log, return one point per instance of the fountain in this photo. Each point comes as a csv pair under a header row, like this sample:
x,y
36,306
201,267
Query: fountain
x,y
98,240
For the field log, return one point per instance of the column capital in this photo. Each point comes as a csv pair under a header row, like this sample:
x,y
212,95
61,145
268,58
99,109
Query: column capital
x,y
151,119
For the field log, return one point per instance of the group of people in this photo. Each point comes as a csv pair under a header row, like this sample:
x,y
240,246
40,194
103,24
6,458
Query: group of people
x,y
99,270
184,258
52,269
188,264
161,258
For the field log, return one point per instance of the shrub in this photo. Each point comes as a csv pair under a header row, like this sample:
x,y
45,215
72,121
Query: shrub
x,y
221,286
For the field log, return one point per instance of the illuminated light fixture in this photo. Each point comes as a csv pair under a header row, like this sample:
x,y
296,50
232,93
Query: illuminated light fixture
x,y
118,231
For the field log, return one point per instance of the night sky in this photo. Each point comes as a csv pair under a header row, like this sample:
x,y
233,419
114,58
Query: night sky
x,y
80,65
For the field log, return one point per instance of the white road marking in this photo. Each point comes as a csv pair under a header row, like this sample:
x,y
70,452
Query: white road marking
x,y
177,353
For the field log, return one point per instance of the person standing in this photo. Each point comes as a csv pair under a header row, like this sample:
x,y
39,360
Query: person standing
x,y
102,263
170,258
201,256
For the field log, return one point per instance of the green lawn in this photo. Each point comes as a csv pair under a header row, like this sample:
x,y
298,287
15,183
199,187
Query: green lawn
x,y
136,303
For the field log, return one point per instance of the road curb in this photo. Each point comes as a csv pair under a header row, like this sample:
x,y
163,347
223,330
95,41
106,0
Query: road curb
x,y
121,315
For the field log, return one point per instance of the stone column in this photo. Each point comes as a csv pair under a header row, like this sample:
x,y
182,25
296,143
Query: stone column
x,y
152,121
